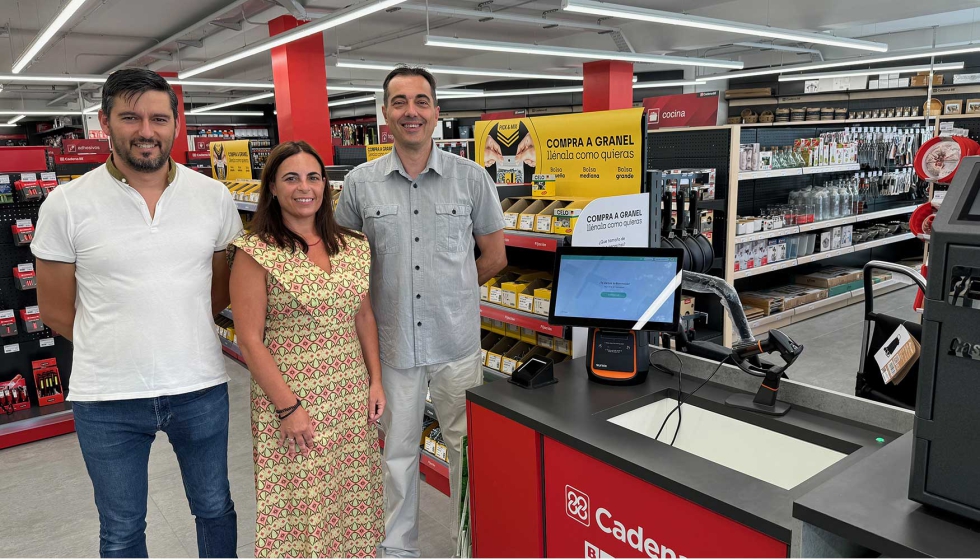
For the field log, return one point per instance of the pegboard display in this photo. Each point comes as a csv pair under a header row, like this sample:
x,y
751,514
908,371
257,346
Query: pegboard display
x,y
20,350
350,155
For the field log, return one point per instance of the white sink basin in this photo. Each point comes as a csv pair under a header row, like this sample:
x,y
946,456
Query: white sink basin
x,y
757,452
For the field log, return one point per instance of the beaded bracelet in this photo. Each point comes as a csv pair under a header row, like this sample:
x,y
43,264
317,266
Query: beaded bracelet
x,y
284,413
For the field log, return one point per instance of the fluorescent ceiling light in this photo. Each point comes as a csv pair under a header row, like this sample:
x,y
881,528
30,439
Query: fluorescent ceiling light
x,y
46,35
337,18
603,9
839,63
15,119
363,89
8,125
870,72
40,113
645,85
772,47
378,89
510,92
249,99
523,48
352,101
459,70
57,78
220,83
92,109
227,114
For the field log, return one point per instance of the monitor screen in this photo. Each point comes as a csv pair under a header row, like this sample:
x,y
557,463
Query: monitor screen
x,y
616,288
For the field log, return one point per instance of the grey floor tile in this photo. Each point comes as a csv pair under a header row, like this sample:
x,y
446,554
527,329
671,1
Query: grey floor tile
x,y
435,504
434,538
246,551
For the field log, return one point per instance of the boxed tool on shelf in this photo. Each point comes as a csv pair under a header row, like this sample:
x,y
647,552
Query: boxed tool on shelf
x,y
31,319
24,277
47,379
782,298
22,232
13,395
8,323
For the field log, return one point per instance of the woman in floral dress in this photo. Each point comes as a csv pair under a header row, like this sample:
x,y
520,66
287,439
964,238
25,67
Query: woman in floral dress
x,y
299,291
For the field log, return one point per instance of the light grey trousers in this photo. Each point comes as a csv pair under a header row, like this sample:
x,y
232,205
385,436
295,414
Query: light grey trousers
x,y
405,391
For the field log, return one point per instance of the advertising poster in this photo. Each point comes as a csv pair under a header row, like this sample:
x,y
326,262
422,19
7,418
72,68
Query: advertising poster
x,y
231,160
614,221
689,109
374,151
590,154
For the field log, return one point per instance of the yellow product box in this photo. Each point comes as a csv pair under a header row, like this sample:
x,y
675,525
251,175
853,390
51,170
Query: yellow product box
x,y
513,331
546,341
485,323
430,445
508,297
498,327
488,342
528,215
565,218
529,336
542,300
427,431
563,345
485,289
442,452
542,185
513,212
514,357
495,355
544,222
525,300
495,293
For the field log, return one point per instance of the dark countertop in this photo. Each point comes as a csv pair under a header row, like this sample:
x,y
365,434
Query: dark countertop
x,y
574,412
878,514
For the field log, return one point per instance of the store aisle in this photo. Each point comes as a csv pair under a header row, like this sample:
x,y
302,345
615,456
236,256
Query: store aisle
x,y
53,513
832,342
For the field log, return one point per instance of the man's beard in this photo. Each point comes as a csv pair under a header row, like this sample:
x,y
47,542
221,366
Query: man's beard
x,y
140,164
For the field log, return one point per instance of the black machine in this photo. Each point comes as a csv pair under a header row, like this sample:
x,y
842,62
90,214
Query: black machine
x,y
946,447
620,294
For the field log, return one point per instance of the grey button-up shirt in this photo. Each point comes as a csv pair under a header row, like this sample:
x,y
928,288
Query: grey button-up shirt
x,y
424,286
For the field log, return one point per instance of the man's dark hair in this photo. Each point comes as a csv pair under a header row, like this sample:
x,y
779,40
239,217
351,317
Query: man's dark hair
x,y
130,83
405,70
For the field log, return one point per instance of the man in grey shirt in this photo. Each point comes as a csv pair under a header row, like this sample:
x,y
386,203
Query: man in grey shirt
x,y
422,210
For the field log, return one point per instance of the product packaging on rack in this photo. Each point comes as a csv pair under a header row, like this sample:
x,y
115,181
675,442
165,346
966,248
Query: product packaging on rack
x,y
488,341
24,277
13,395
28,187
542,185
23,232
566,217
47,378
48,182
6,191
542,300
8,323
31,319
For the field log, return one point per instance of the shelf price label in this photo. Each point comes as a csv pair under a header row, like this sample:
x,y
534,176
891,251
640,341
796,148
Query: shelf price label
x,y
11,348
46,342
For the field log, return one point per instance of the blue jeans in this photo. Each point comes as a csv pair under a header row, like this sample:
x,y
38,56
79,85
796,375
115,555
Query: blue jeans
x,y
115,438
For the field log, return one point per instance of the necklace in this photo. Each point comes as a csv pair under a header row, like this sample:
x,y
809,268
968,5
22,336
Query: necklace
x,y
318,241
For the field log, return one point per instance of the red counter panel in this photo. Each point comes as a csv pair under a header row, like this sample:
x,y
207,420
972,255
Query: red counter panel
x,y
595,510
505,486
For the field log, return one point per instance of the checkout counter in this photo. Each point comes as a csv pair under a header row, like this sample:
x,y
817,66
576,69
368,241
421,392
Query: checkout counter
x,y
576,468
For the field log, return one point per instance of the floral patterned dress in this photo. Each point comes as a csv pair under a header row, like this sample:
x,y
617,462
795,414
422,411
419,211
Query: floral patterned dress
x,y
329,503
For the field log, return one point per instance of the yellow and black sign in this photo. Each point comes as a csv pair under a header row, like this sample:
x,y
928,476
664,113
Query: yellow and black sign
x,y
231,160
374,151
590,154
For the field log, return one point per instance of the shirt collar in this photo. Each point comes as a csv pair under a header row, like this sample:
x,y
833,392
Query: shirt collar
x,y
117,175
435,162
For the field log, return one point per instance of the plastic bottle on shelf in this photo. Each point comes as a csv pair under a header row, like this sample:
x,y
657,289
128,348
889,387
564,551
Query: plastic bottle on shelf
x,y
833,196
845,199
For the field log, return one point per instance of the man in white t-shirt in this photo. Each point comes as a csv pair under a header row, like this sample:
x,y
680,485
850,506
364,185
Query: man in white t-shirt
x,y
131,267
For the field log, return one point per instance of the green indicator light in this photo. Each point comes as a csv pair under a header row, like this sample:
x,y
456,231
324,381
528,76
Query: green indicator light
x,y
880,440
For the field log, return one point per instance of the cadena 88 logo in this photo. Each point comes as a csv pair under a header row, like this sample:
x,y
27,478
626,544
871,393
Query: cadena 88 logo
x,y
577,505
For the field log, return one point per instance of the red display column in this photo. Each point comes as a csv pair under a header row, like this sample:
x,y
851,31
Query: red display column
x,y
179,149
300,75
608,85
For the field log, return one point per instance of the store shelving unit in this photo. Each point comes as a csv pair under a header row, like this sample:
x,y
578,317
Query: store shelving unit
x,y
537,323
718,148
538,241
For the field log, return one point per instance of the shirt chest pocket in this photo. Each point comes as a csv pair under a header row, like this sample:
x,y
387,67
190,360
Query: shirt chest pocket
x,y
382,225
452,224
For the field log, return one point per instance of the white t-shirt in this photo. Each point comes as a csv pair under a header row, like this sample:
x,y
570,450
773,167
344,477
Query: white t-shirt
x,y
143,326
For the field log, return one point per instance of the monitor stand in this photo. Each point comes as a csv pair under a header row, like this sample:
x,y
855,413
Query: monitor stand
x,y
618,357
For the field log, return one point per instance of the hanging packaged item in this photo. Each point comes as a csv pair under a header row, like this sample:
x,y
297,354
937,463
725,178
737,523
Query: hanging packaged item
x,y
13,395
31,319
23,232
28,187
6,191
24,277
8,323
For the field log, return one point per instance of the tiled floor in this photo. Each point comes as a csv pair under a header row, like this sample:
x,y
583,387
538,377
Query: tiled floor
x,y
56,516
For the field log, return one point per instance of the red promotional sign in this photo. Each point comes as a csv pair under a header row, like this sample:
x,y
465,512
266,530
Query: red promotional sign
x,y
385,134
90,158
90,146
199,154
595,511
689,109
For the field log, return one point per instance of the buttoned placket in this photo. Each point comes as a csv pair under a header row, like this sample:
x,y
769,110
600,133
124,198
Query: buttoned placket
x,y
154,221
418,303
